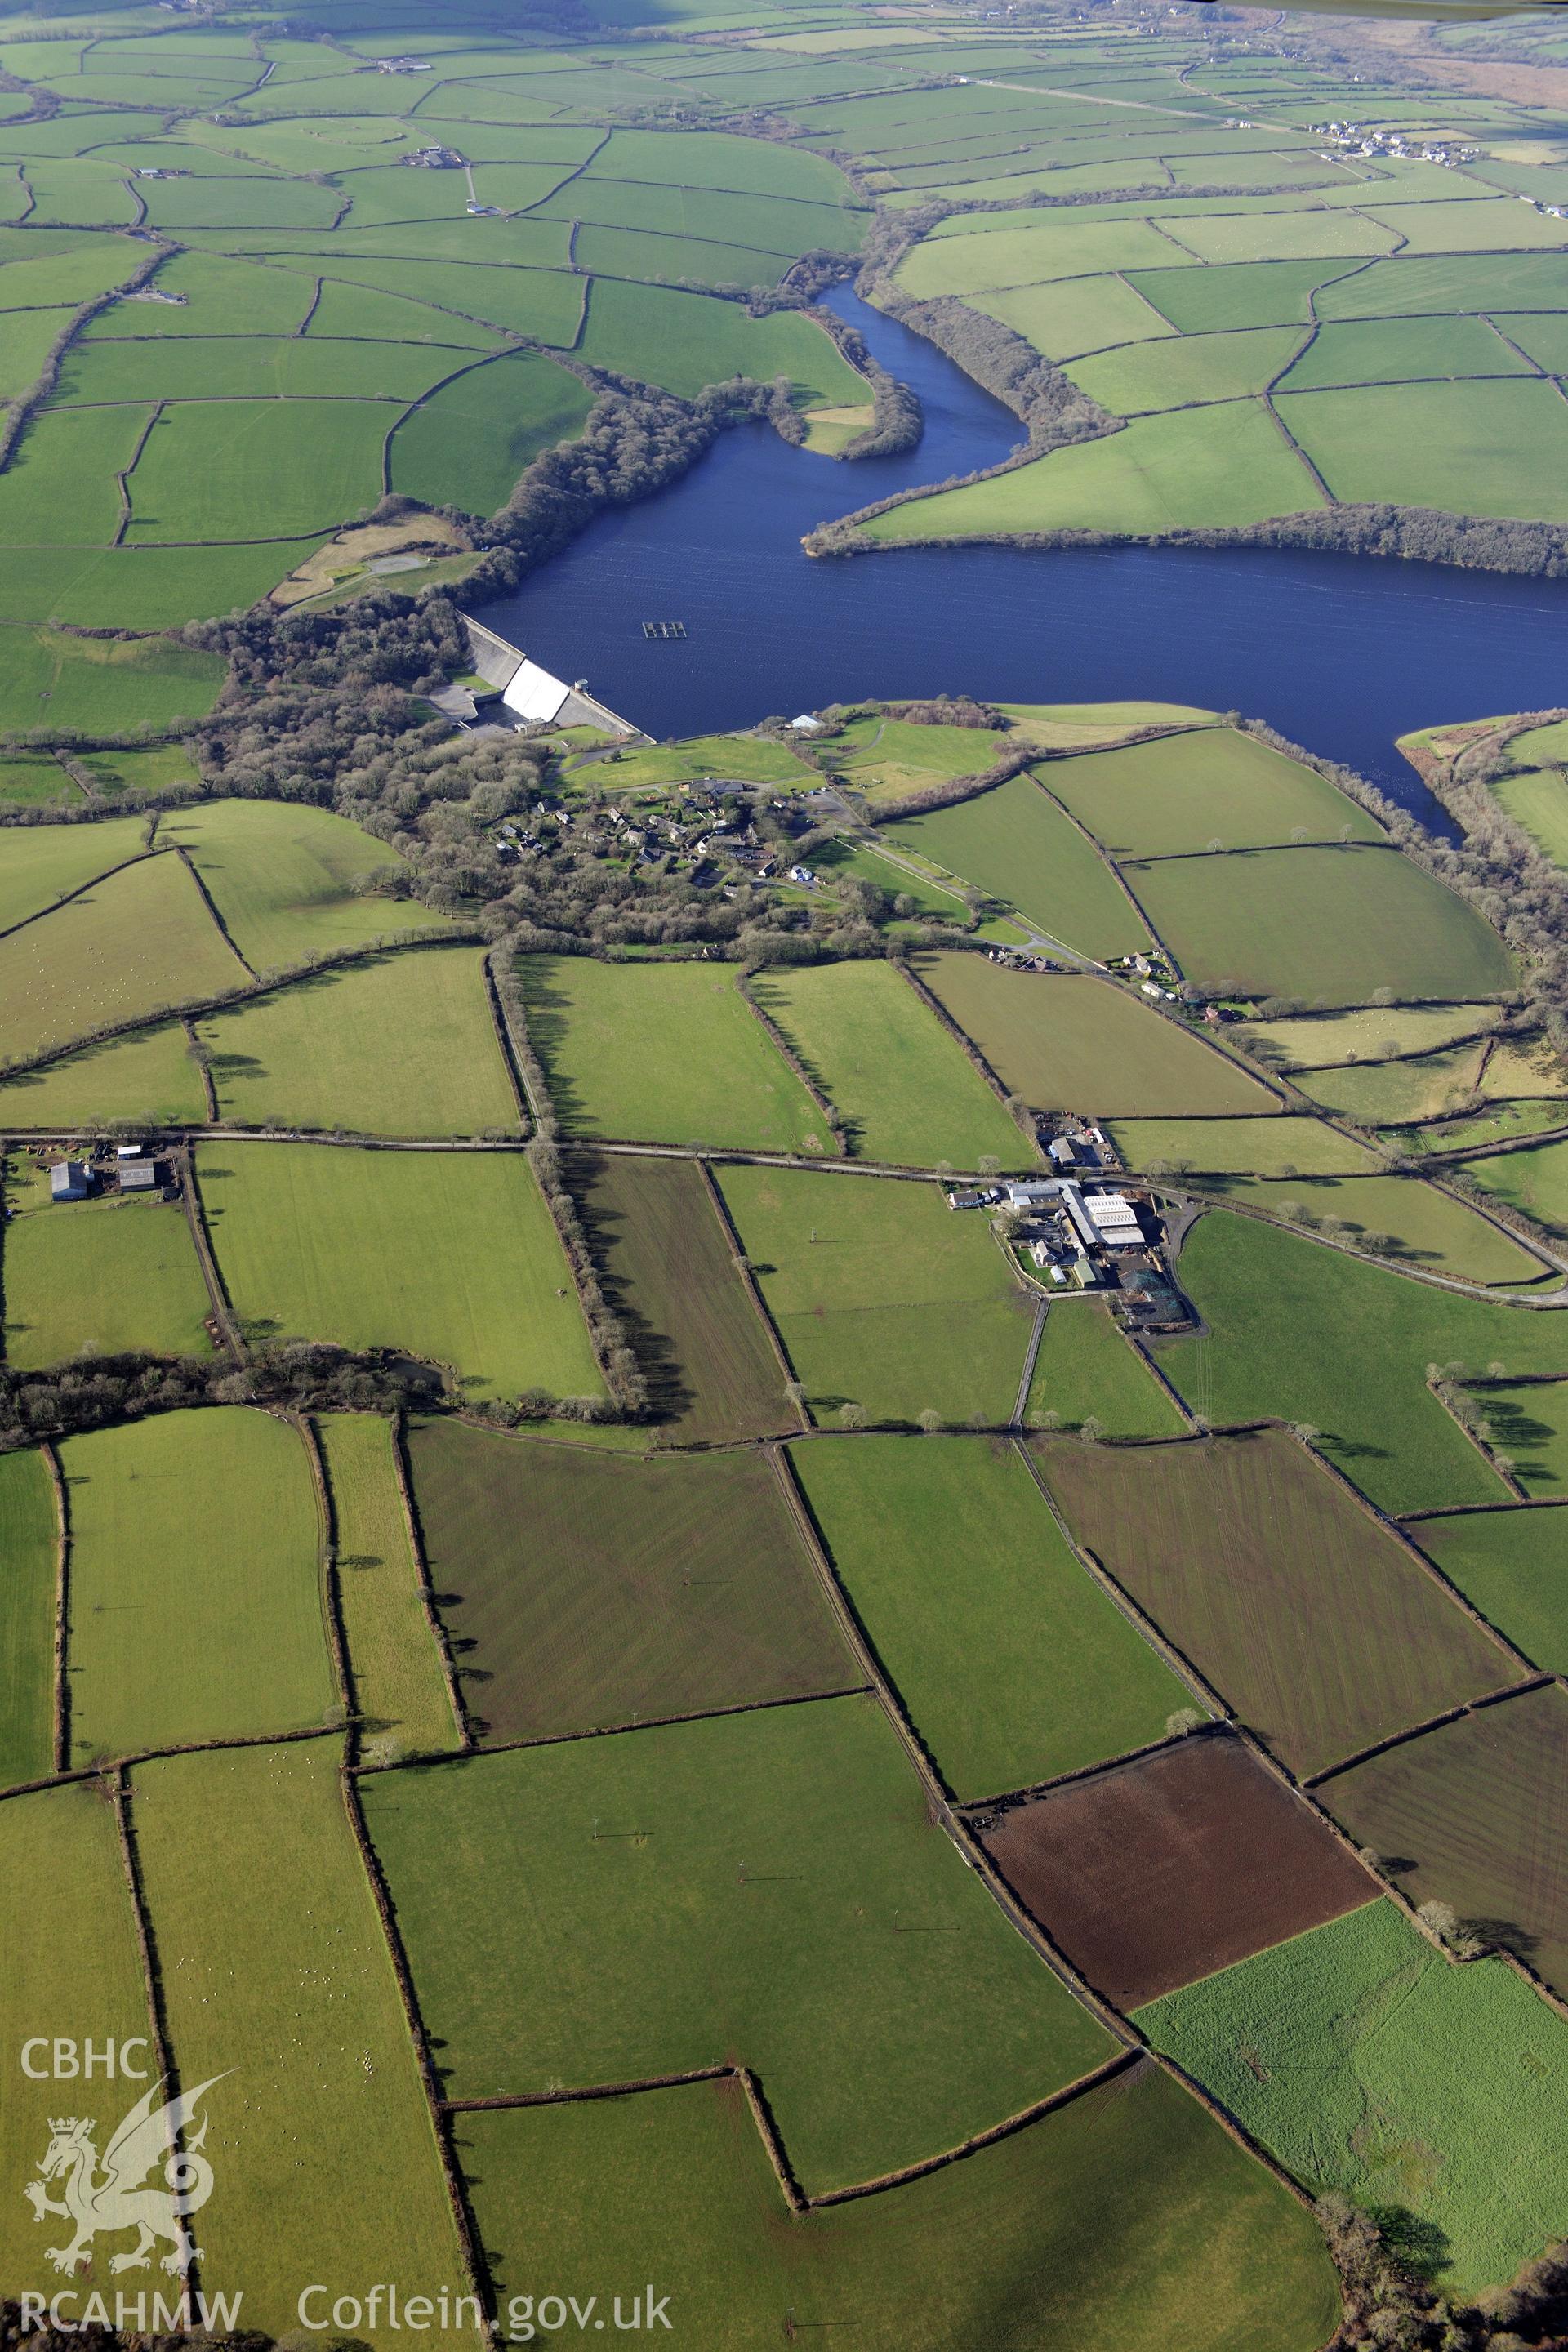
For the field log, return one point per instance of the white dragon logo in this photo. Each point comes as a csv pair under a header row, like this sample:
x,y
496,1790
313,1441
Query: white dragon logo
x,y
117,2201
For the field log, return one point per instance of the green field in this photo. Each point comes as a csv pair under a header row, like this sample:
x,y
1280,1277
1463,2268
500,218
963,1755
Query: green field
x,y
101,1278
128,775
1251,1281
1328,924
1534,1180
731,1889
43,862
1372,1033
904,1089
1011,1662
467,444
197,1608
883,1298
1015,846
655,334
1412,1224
1143,377
451,1257
102,686
1510,1563
1537,798
148,1077
1402,351
1076,315
399,1688
1528,1422
239,469
1254,1147
886,757
1422,1086
1194,468
393,1044
748,758
36,780
973,256
1366,2062
287,878
1086,1369
1071,1042
1187,792
583,1592
1234,294
253,1880
663,1053
1124,2222
128,946
1471,448
30,1546
61,1856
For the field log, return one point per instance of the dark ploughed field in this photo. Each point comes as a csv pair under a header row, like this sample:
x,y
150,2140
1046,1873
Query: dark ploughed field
x,y
1157,1872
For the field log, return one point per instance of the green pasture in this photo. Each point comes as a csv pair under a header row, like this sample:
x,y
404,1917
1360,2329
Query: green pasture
x,y
763,224
1087,1369
1015,846
257,1894
1010,1661
29,1547
1261,236
1423,1086
973,259
663,1053
727,1890
59,1852
70,271
1412,1224
1190,469
128,775
1471,228
883,1298
1527,1067
42,863
1511,1564
1402,351
196,1603
1070,1042
58,488
1330,924
1071,316
401,1044
26,337
468,445
1126,2221
657,334
1251,1282
126,946
239,469
1493,282
290,880
1528,1425
1365,1034
1481,448
1498,1123
864,862
1236,294
1240,1147
1537,798
399,1688
886,757
1545,339
452,1257
256,367
147,1078
679,260
716,159
1194,790
106,686
1534,1180
36,780
364,313
223,297
102,1277
744,759
1365,2062
92,587
1143,377
545,304
903,1087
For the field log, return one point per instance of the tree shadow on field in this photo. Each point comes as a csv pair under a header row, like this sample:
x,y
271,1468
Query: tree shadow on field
x,y
548,1009
1415,2243
1503,1936
668,1395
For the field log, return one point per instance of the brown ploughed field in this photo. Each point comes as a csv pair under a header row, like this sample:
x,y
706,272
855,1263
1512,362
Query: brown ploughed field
x,y
1157,1872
